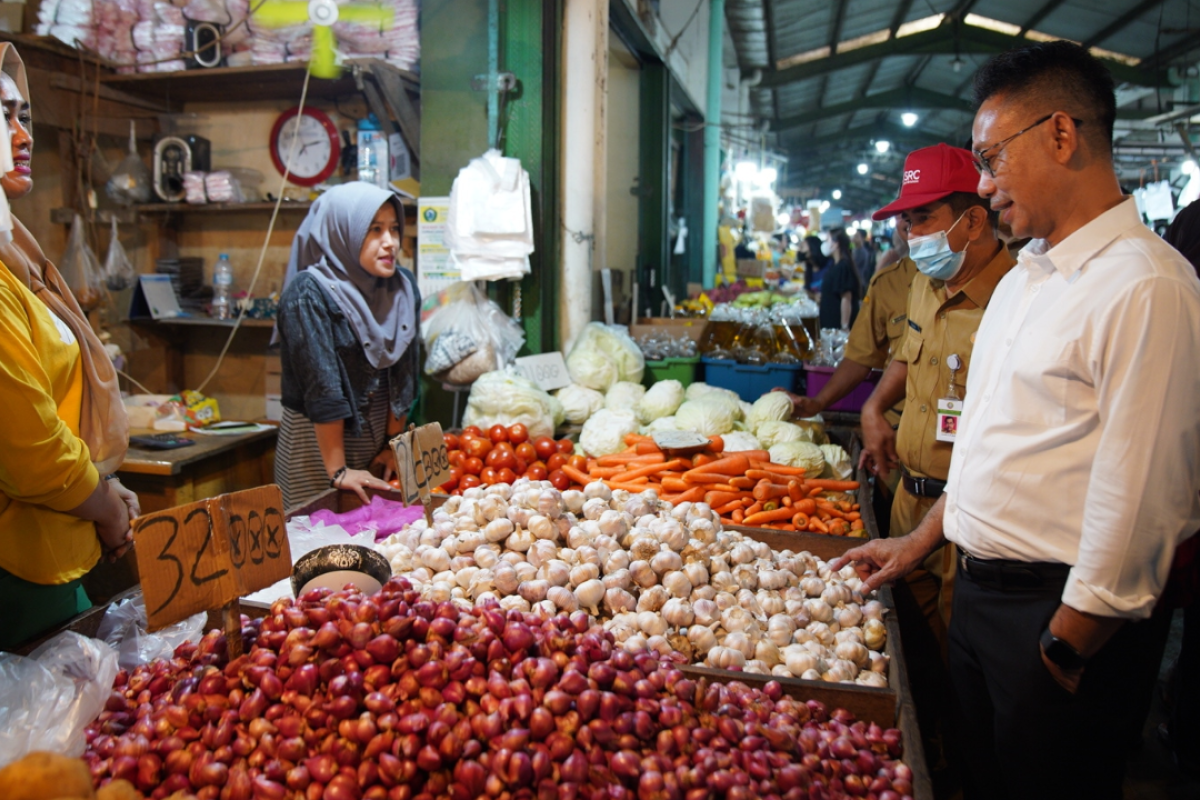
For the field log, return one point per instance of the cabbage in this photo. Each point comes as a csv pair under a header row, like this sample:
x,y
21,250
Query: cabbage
x,y
604,434
624,396
774,431
603,355
504,397
736,442
799,454
815,427
701,389
579,403
660,424
710,416
663,400
771,407
744,408
837,463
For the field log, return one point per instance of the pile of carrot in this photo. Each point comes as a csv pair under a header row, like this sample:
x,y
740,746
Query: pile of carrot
x,y
744,488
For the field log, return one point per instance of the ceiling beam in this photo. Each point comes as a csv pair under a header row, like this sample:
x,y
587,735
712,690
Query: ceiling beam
x,y
942,40
892,132
1121,22
1040,15
905,98
772,49
1171,51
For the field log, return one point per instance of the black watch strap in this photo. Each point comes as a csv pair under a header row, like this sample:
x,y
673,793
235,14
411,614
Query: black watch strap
x,y
1061,653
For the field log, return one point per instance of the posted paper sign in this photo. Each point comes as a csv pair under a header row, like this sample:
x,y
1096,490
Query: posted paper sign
x,y
201,556
548,371
434,272
422,462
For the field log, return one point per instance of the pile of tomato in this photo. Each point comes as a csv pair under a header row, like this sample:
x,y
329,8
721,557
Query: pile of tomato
x,y
503,454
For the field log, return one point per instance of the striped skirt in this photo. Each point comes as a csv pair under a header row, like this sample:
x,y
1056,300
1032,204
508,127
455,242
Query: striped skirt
x,y
299,470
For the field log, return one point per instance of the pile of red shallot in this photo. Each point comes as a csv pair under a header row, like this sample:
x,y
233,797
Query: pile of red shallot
x,y
390,697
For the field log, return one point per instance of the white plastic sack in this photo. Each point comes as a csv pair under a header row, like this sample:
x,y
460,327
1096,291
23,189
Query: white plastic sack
x,y
604,354
505,398
489,223
124,628
47,699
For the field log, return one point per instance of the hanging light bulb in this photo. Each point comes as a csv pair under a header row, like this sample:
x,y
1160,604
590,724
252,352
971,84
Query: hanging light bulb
x,y
862,169
883,145
909,119
837,194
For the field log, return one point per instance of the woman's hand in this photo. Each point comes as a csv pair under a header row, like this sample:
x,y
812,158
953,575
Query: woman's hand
x,y
386,461
129,496
358,481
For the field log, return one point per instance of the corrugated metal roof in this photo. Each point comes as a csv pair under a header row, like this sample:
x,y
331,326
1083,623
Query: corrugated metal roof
x,y
836,74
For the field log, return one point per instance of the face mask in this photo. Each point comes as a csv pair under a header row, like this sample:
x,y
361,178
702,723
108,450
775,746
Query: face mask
x,y
933,255
827,248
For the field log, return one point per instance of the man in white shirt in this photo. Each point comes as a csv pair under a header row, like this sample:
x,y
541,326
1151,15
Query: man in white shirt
x,y
1075,473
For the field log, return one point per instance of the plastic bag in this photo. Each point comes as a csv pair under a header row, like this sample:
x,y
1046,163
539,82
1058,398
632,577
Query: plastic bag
x,y
48,698
505,398
124,628
81,269
118,272
131,182
469,336
604,354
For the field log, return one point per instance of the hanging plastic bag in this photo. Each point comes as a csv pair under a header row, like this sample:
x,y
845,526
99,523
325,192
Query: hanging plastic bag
x,y
124,629
48,698
118,272
131,182
468,336
81,269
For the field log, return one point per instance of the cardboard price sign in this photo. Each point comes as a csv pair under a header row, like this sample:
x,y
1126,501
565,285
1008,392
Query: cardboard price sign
x,y
548,371
422,462
207,554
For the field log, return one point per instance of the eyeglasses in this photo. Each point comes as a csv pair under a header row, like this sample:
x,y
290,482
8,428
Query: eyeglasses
x,y
983,162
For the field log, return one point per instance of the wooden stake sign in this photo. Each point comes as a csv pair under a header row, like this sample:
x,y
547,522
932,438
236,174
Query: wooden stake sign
x,y
207,554
422,463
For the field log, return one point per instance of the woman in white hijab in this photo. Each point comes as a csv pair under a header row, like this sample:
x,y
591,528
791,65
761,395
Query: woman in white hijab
x,y
347,327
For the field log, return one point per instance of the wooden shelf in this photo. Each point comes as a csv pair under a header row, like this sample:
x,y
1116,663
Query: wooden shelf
x,y
254,83
206,322
129,216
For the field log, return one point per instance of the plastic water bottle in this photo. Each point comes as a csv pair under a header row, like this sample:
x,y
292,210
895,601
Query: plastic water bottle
x,y
222,303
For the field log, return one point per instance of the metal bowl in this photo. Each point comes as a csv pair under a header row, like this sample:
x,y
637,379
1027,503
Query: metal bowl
x,y
336,565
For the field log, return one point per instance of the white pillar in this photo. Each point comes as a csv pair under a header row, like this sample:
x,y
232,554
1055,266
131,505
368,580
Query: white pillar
x,y
584,148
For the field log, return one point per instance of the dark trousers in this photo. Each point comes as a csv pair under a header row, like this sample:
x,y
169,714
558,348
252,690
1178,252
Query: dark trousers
x,y
1185,697
1024,736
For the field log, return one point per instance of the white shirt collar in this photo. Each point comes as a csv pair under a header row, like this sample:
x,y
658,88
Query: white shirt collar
x,y
1070,255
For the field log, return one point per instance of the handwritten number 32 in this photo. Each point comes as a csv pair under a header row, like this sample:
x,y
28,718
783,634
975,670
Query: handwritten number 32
x,y
166,556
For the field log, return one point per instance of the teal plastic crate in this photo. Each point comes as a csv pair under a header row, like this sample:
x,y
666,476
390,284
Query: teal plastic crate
x,y
671,369
752,382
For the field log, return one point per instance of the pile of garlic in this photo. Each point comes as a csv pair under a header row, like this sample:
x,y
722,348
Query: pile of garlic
x,y
657,576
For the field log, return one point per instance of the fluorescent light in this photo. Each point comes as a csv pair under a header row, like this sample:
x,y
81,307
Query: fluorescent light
x,y
883,145
745,171
863,169
837,194
992,24
909,118
824,206
1188,167
919,25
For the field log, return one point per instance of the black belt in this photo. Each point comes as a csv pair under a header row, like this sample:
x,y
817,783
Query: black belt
x,y
1002,574
921,487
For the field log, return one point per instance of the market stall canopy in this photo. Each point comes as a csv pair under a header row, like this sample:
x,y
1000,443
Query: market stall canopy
x,y
828,81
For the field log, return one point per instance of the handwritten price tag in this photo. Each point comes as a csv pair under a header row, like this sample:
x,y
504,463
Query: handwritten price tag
x,y
422,462
548,370
207,554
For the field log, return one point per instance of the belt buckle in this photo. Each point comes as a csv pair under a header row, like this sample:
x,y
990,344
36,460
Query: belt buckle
x,y
919,483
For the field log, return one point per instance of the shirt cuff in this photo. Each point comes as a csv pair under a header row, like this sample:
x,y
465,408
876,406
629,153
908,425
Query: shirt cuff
x,y
1091,599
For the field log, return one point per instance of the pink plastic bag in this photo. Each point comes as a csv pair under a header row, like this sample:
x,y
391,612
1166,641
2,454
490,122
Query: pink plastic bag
x,y
383,517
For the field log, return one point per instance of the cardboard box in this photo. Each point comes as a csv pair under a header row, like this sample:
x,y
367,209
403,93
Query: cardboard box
x,y
692,327
12,17
751,267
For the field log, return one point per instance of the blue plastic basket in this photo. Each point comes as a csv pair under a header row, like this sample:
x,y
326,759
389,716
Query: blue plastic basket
x,y
752,382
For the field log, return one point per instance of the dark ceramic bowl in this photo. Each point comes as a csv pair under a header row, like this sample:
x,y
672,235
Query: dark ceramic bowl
x,y
336,565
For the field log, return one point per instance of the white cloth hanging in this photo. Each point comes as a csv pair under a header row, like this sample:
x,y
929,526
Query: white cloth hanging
x,y
489,228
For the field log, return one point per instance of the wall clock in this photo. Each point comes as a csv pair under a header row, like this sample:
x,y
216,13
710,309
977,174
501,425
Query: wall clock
x,y
317,150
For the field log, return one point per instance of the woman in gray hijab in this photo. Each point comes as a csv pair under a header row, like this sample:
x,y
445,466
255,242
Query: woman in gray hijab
x,y
348,331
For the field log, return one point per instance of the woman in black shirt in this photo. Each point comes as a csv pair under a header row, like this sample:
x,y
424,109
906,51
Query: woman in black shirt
x,y
841,286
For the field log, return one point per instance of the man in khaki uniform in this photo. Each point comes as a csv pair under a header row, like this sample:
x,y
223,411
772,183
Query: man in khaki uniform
x,y
873,342
952,240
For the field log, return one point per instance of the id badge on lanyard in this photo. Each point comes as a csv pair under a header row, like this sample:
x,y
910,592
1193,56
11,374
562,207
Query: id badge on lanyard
x,y
950,407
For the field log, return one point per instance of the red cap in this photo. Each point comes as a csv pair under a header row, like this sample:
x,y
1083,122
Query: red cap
x,y
930,174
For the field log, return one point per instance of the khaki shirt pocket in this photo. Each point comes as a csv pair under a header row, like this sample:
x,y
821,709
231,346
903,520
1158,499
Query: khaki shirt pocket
x,y
910,347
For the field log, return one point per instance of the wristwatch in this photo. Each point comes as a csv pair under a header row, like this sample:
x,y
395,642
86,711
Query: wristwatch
x,y
1061,652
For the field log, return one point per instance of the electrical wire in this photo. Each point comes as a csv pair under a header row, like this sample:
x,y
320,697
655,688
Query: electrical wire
x,y
262,255
675,40
133,380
